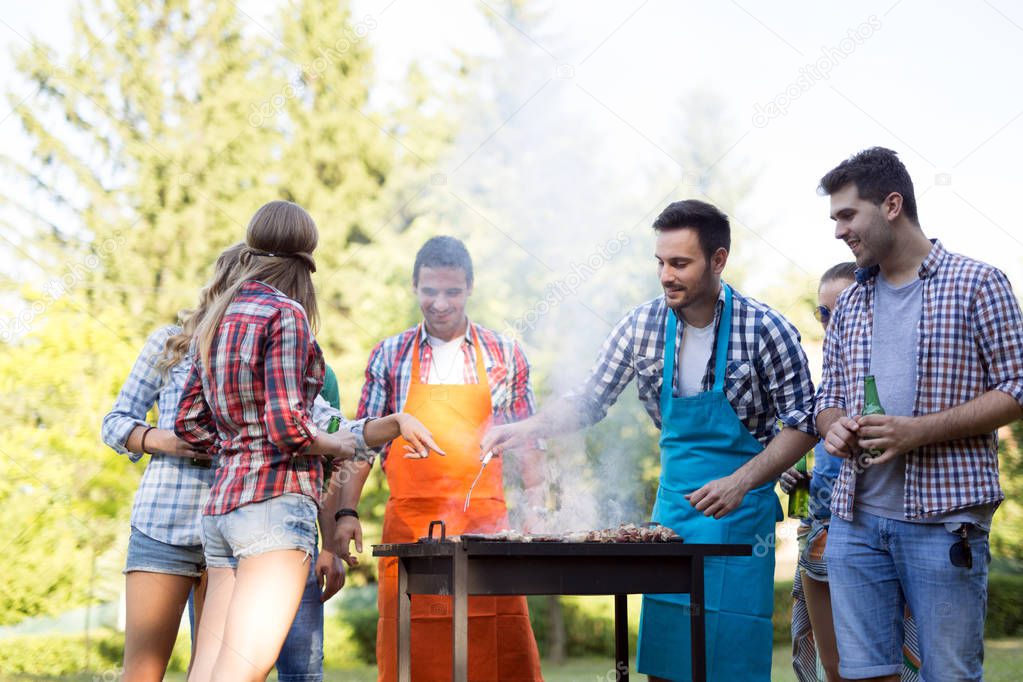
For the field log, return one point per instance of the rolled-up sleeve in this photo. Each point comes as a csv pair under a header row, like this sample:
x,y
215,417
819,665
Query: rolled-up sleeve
x,y
194,422
786,372
322,414
611,373
286,355
1000,335
137,396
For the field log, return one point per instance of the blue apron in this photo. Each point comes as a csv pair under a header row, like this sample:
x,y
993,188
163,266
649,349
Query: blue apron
x,y
702,440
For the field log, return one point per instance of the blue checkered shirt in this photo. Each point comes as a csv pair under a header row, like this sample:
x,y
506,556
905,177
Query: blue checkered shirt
x,y
172,492
767,378
971,342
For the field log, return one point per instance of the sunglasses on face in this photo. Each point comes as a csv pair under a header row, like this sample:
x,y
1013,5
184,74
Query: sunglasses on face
x,y
960,553
823,314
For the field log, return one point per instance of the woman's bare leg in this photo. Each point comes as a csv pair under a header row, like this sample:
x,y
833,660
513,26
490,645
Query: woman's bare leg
x,y
198,597
210,633
818,606
155,602
267,591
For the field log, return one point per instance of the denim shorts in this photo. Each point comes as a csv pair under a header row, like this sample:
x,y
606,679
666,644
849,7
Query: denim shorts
x,y
153,556
812,538
284,522
878,565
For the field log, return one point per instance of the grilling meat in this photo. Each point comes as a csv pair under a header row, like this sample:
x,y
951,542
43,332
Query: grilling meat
x,y
626,532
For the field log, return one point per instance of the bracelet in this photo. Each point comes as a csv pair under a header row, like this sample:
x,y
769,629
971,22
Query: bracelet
x,y
345,512
144,434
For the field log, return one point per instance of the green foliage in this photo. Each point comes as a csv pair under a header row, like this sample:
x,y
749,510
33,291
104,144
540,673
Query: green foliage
x,y
1007,525
61,654
1004,606
155,145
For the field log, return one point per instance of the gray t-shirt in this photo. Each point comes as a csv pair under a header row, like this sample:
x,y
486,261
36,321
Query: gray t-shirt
x,y
880,490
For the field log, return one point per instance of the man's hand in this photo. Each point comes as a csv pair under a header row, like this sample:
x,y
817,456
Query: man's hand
x,y
348,529
791,478
719,498
418,436
330,574
892,436
165,442
841,438
506,437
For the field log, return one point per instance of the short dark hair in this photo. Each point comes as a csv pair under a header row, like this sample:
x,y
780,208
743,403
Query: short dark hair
x,y
876,172
443,252
711,224
841,271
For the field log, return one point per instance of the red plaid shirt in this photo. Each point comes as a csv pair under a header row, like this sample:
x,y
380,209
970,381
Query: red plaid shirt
x,y
253,402
971,342
389,373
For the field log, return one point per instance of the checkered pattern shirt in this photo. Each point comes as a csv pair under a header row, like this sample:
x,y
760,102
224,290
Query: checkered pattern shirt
x,y
172,490
389,373
767,378
253,403
971,342
169,500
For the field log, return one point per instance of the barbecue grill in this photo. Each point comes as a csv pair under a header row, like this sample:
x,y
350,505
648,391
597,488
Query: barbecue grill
x,y
471,566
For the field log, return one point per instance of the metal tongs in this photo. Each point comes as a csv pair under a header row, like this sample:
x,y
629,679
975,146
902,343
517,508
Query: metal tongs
x,y
483,465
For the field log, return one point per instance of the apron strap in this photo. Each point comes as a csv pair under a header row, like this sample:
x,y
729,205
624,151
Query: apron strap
x,y
724,332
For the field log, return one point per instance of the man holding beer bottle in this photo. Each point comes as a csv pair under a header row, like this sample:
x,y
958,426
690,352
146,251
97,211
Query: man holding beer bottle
x,y
943,336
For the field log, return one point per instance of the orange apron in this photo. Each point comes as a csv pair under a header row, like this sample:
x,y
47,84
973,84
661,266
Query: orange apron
x,y
501,642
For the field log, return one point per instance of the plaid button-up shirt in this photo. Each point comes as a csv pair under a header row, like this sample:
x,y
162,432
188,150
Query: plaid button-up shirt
x,y
253,403
171,492
767,377
971,342
169,500
389,373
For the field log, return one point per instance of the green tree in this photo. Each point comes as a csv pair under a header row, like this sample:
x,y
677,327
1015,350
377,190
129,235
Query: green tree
x,y
154,138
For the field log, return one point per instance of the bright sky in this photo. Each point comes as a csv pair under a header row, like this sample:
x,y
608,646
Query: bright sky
x,y
803,84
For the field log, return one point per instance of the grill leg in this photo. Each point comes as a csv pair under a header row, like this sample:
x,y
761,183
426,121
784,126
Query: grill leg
x,y
460,616
697,621
621,638
404,625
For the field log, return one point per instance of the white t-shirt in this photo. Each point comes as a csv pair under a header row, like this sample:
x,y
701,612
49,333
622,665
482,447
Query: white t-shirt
x,y
697,344
448,366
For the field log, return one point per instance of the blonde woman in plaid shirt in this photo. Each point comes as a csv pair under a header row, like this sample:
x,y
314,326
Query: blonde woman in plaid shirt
x,y
943,335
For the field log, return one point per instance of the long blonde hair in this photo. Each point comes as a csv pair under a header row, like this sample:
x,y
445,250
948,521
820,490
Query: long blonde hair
x,y
225,272
278,251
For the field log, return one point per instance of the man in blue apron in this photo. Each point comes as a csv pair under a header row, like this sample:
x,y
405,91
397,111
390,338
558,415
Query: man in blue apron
x,y
717,372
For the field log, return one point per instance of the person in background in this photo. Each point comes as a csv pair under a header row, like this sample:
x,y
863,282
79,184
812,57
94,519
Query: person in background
x,y
813,631
942,335
458,377
164,548
716,371
249,396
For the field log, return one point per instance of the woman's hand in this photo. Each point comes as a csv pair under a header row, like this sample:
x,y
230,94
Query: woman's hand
x,y
165,442
418,437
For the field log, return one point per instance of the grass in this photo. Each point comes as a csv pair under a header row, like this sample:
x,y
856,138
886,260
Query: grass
x,y
1003,661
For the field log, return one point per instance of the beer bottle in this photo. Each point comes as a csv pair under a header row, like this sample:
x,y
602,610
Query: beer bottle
x,y
334,424
871,404
799,498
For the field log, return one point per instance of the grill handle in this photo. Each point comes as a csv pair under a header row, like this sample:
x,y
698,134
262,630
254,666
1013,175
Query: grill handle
x,y
443,531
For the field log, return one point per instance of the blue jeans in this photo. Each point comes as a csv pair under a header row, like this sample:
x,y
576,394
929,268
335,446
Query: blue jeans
x,y
876,566
301,657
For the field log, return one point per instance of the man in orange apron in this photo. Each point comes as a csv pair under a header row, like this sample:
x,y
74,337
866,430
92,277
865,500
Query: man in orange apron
x,y
457,378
